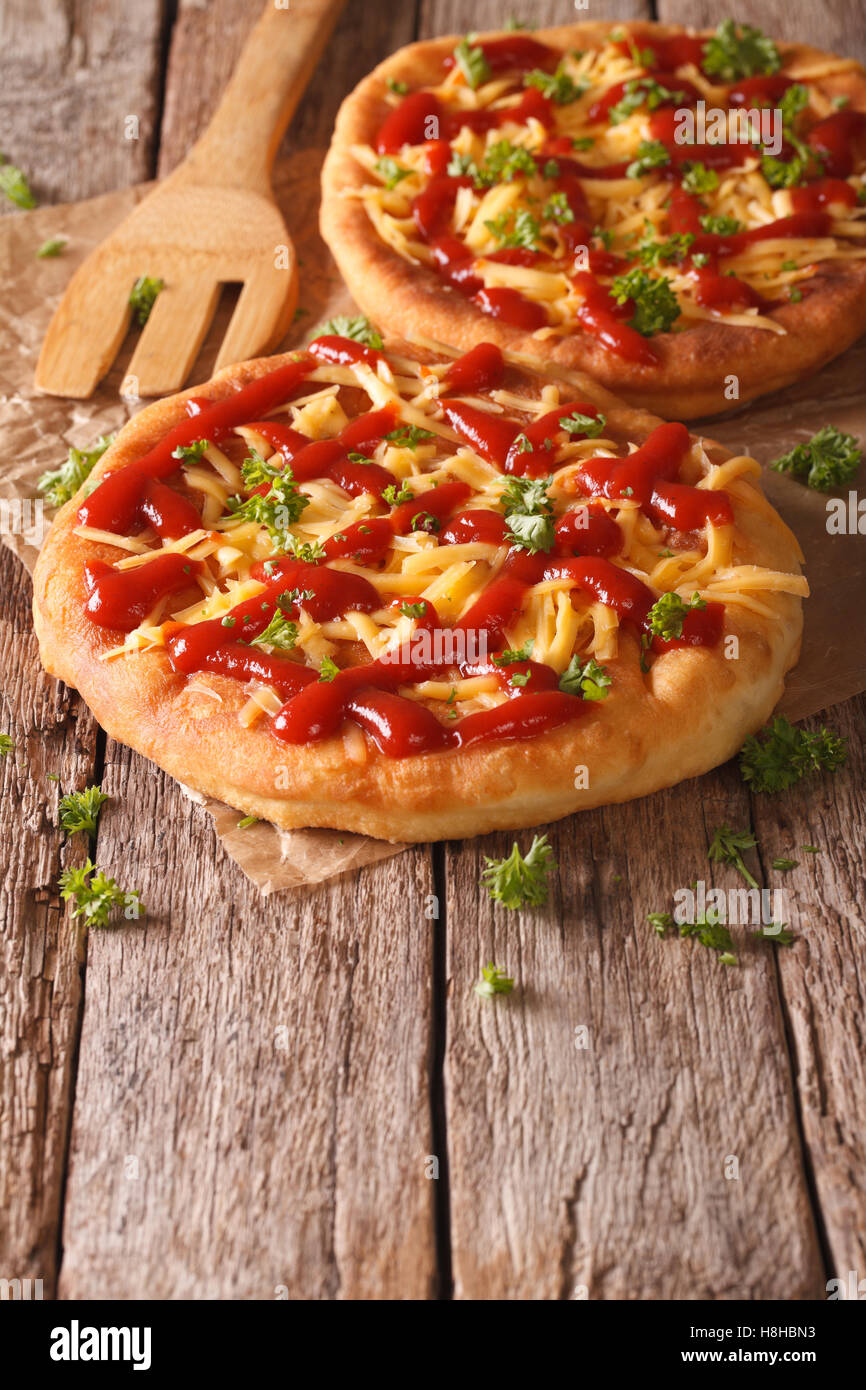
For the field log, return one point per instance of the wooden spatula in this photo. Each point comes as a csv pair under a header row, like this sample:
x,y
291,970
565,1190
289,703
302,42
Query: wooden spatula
x,y
212,221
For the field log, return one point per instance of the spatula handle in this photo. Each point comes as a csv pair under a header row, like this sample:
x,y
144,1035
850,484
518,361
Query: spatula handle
x,y
277,61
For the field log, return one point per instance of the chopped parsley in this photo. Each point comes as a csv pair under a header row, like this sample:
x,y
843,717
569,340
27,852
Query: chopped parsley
x,y
829,460
7,743
394,495
777,933
656,253
661,922
54,246
255,470
721,226
515,229
782,173
519,678
328,669
739,50
512,654
502,163
310,552
698,179
472,63
80,810
143,297
279,509
493,981
529,512
590,426
642,91
14,185
191,453
517,881
558,86
425,521
279,633
784,866
359,329
401,88
414,610
785,754
409,436
655,304
587,679
64,482
726,848
669,612
391,172
557,210
247,822
651,154
95,895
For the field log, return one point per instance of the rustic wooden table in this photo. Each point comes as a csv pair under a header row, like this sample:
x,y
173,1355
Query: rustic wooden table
x,y
244,1098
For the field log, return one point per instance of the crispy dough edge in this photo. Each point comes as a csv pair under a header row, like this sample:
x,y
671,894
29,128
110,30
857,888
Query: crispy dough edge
x,y
691,714
689,380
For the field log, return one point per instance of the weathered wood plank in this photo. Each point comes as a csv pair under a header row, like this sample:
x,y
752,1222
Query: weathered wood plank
x,y
263,1065
835,25
594,1165
822,976
72,76
40,984
460,17
252,1102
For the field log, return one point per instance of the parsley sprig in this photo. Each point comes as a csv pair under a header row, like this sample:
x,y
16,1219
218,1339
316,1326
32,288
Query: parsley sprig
x,y
96,896
829,460
642,91
517,881
739,50
280,633
650,154
63,482
558,86
80,810
655,304
781,755
529,513
590,426
472,63
14,185
587,679
359,329
279,509
143,297
726,847
493,981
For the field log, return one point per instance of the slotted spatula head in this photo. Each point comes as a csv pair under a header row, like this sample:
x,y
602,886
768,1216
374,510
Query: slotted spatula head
x,y
194,240
213,221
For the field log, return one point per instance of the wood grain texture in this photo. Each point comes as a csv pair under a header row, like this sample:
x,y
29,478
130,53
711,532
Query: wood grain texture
x,y
267,1161
835,25
459,17
823,981
682,1066
252,1106
72,75
40,984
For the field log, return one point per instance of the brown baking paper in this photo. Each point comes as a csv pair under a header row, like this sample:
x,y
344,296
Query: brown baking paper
x,y
36,431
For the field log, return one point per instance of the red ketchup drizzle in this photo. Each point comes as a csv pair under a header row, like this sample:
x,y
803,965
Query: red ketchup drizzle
x,y
663,126
433,206
600,108
482,368
408,123
491,435
667,54
476,525
343,352
115,505
716,291
512,53
437,501
763,90
587,530
529,454
329,458
121,599
839,140
511,307
600,314
531,104
823,193
649,476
